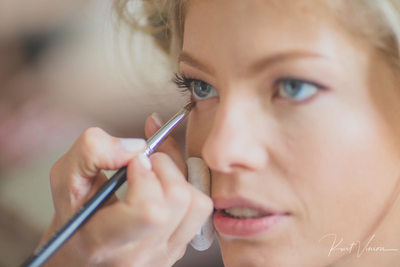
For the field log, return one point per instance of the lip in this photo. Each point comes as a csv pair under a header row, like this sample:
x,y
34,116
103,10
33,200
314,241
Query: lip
x,y
226,203
246,227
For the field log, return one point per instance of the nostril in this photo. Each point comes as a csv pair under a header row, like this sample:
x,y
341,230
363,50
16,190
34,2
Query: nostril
x,y
229,158
234,140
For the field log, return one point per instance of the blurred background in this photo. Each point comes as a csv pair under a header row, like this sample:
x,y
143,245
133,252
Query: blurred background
x,y
63,68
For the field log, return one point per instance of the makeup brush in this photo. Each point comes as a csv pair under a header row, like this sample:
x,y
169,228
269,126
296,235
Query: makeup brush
x,y
42,254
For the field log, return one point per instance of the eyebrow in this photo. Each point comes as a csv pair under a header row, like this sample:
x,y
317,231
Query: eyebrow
x,y
259,65
194,62
279,57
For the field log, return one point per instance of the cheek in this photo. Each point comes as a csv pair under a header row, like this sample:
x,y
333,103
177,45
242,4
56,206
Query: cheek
x,y
198,127
346,164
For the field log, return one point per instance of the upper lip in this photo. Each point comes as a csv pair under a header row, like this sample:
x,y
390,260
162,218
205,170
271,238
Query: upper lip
x,y
221,203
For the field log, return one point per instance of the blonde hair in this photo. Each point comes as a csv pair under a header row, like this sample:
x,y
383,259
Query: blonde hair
x,y
165,20
376,20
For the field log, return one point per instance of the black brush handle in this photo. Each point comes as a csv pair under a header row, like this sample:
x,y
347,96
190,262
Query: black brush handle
x,y
80,217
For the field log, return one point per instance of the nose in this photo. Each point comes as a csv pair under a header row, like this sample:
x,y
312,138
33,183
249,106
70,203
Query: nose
x,y
236,140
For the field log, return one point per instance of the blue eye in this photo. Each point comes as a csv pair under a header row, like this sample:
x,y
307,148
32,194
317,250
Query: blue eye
x,y
202,90
199,90
296,89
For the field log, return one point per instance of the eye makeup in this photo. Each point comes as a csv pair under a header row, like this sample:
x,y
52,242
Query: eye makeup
x,y
288,88
183,84
198,89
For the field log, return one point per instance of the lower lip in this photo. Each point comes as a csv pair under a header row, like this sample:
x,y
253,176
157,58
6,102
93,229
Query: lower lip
x,y
245,227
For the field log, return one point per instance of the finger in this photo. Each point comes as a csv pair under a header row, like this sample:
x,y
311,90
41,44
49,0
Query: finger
x,y
116,226
73,175
145,196
95,150
169,146
142,181
124,222
175,188
200,209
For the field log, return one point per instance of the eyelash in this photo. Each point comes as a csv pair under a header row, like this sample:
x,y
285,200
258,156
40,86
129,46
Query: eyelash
x,y
184,84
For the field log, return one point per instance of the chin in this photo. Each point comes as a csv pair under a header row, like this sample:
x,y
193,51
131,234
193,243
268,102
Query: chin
x,y
241,252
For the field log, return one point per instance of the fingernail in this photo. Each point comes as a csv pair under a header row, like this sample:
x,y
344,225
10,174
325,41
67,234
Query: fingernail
x,y
145,161
157,119
132,144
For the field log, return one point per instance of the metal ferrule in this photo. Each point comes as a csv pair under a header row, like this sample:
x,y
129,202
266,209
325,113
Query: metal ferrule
x,y
154,141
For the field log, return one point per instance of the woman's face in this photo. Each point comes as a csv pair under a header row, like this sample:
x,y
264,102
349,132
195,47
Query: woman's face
x,y
296,119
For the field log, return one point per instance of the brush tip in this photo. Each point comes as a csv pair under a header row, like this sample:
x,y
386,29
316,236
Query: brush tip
x,y
189,106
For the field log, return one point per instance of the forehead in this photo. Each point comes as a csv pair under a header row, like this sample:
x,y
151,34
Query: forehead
x,y
242,30
258,14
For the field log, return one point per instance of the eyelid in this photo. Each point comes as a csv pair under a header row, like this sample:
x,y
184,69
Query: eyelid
x,y
190,78
284,79
318,86
184,81
196,78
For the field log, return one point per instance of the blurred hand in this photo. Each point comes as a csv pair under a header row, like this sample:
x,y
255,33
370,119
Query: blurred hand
x,y
150,227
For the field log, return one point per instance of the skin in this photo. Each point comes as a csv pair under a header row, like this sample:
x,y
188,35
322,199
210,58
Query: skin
x,y
160,213
331,161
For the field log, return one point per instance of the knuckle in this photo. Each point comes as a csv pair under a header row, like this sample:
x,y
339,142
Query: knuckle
x,y
91,137
203,203
93,131
95,147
